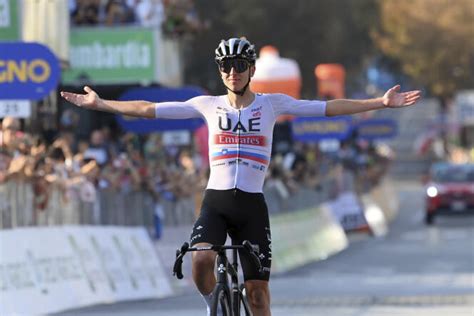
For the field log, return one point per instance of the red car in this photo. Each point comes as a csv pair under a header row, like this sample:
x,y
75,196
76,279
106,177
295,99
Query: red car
x,y
450,190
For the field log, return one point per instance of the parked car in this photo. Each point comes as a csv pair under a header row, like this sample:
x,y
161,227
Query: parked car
x,y
450,190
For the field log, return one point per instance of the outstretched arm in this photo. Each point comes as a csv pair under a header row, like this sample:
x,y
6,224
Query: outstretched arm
x,y
91,100
391,99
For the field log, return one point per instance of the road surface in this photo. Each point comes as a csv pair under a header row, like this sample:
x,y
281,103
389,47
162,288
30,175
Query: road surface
x,y
414,270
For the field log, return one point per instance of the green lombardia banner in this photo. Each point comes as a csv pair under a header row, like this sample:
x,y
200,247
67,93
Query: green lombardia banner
x,y
118,55
9,30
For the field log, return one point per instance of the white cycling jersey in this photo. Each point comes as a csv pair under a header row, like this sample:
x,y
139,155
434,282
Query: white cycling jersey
x,y
240,141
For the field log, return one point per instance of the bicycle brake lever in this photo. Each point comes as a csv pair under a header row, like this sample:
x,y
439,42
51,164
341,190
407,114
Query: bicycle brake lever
x,y
254,250
251,247
178,265
184,247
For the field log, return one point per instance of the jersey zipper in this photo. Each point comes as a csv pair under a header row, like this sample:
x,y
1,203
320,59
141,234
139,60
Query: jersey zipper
x,y
238,155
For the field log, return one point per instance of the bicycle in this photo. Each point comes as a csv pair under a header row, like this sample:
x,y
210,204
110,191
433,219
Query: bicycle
x,y
230,304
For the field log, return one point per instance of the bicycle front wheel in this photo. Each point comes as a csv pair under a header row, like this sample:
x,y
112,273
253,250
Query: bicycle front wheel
x,y
220,301
244,301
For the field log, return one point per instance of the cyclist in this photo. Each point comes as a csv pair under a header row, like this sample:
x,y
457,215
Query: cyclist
x,y
240,136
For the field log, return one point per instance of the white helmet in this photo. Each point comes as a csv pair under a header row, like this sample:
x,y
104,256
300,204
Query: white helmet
x,y
236,48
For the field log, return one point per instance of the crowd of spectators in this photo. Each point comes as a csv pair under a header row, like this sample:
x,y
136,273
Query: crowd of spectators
x,y
175,17
83,169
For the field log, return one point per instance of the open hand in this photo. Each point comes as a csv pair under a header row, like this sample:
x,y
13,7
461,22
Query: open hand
x,y
393,98
89,100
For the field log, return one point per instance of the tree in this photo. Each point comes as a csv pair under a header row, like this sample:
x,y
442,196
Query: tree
x,y
432,40
311,32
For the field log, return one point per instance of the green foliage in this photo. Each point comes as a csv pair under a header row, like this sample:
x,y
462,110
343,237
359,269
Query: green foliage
x,y
309,31
432,40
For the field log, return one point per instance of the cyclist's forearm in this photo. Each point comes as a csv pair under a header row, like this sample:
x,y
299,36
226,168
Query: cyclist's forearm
x,y
348,107
131,108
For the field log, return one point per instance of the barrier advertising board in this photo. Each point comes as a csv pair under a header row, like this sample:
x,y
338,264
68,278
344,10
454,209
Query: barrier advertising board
x,y
373,129
349,211
312,129
305,236
59,268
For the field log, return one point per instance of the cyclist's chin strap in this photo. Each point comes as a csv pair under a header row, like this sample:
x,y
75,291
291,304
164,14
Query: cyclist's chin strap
x,y
240,92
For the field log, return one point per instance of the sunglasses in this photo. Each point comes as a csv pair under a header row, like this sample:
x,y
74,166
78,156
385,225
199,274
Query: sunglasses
x,y
240,65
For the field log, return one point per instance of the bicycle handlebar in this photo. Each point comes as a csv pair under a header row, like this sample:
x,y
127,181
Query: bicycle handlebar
x,y
178,264
252,249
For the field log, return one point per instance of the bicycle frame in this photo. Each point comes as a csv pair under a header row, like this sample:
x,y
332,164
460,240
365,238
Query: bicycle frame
x,y
224,268
236,293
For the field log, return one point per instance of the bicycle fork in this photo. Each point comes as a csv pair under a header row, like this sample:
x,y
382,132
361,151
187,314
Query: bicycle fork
x,y
235,284
222,264
224,268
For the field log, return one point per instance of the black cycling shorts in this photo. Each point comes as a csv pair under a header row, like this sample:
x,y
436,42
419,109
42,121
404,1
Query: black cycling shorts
x,y
241,215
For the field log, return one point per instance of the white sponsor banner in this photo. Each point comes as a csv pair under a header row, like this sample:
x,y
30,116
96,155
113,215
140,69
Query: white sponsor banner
x,y
464,101
348,210
129,268
4,13
15,108
40,268
176,138
58,268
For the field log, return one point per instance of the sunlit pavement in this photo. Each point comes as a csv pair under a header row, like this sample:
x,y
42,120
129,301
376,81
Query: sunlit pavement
x,y
326,311
415,270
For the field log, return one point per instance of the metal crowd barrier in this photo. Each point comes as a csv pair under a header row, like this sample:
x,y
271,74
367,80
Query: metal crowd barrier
x,y
16,204
82,204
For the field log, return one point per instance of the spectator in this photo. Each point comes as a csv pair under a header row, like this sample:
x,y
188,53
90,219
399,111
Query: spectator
x,y
88,192
121,174
181,18
5,160
78,158
150,13
66,143
154,149
10,134
40,186
69,121
118,12
97,150
111,140
129,142
56,158
86,12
